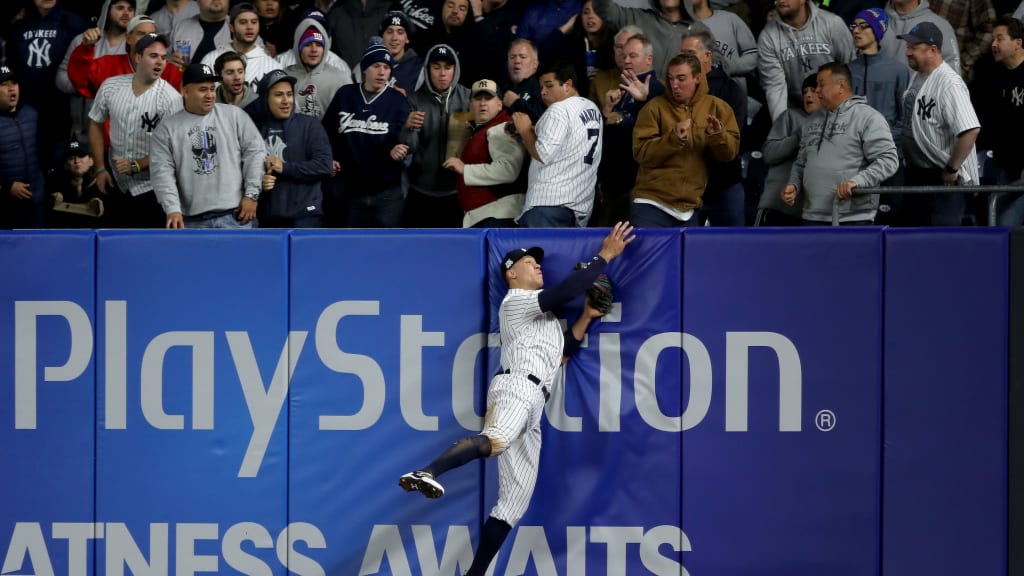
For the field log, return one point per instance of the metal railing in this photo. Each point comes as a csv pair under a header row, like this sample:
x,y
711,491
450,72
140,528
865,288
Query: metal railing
x,y
995,192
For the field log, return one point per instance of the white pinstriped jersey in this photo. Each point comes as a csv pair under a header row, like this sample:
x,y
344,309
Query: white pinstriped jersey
x,y
132,121
942,109
531,340
569,145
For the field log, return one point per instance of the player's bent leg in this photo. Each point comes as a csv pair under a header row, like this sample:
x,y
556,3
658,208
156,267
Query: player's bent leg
x,y
459,453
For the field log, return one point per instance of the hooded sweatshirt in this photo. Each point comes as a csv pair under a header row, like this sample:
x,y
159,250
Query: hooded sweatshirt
x,y
852,142
429,144
316,86
674,176
331,74
100,48
899,24
205,163
665,35
301,142
882,81
35,48
780,150
787,55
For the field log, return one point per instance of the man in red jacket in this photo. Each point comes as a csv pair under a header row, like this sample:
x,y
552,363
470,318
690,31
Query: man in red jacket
x,y
490,164
87,72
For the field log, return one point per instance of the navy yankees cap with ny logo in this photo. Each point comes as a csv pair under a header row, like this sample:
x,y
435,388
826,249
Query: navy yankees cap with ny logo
x,y
517,254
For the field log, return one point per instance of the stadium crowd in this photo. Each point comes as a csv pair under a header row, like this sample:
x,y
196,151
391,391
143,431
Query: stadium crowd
x,y
502,113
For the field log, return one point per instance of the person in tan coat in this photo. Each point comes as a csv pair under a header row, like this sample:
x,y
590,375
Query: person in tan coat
x,y
672,136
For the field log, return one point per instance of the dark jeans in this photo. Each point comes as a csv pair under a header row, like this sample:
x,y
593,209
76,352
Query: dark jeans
x,y
852,223
724,208
548,217
945,209
643,215
496,223
422,211
301,222
381,210
127,211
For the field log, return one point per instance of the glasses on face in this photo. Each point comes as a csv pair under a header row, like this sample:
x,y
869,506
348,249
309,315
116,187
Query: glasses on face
x,y
859,26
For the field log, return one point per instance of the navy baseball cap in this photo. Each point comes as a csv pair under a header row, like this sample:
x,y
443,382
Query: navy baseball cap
x,y
923,33
197,72
517,254
7,74
148,39
273,77
74,148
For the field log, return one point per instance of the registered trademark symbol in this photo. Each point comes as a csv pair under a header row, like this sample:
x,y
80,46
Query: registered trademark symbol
x,y
825,420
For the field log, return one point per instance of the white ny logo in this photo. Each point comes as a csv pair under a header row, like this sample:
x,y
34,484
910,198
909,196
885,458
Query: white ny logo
x,y
39,53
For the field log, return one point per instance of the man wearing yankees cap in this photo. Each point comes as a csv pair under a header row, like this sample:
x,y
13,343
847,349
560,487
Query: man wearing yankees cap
x,y
207,161
532,349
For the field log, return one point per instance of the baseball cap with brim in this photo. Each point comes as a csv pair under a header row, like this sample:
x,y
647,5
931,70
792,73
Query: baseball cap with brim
x,y
75,149
7,74
148,39
517,254
140,19
273,77
923,33
485,87
196,73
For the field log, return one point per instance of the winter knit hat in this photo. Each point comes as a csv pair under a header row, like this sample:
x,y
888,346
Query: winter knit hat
x,y
878,20
395,18
375,53
311,35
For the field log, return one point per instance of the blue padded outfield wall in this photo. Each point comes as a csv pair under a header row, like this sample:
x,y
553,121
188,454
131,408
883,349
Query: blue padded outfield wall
x,y
770,402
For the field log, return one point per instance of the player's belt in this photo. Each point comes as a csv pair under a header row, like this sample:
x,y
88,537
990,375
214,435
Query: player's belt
x,y
533,379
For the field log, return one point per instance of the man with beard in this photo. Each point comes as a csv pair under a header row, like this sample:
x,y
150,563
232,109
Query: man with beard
x,y
799,39
245,31
230,67
489,165
943,127
207,160
195,36
135,104
107,38
317,80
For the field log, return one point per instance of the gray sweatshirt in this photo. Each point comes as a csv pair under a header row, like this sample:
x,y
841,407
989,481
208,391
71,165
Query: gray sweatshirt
x,y
900,24
206,163
787,55
666,36
852,142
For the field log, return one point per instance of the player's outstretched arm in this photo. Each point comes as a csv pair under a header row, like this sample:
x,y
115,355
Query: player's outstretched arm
x,y
616,241
583,278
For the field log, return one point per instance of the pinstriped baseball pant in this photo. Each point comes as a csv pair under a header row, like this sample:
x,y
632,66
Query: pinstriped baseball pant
x,y
514,409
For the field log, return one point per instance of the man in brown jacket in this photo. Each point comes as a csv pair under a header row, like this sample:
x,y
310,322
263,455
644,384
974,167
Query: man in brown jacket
x,y
670,138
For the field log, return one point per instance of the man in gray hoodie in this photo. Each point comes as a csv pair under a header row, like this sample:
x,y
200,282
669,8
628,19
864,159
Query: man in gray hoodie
x,y
903,16
206,162
665,22
432,201
799,39
316,78
850,145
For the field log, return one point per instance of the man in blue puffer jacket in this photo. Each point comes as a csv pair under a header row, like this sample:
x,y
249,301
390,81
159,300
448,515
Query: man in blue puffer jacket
x,y
22,188
298,157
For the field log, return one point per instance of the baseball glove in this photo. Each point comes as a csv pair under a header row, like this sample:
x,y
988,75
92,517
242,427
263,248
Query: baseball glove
x,y
600,292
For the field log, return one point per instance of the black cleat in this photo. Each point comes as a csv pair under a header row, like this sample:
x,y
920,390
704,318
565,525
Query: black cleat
x,y
422,482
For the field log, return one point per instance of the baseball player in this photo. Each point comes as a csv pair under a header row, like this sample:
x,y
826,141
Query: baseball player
x,y
566,152
532,349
